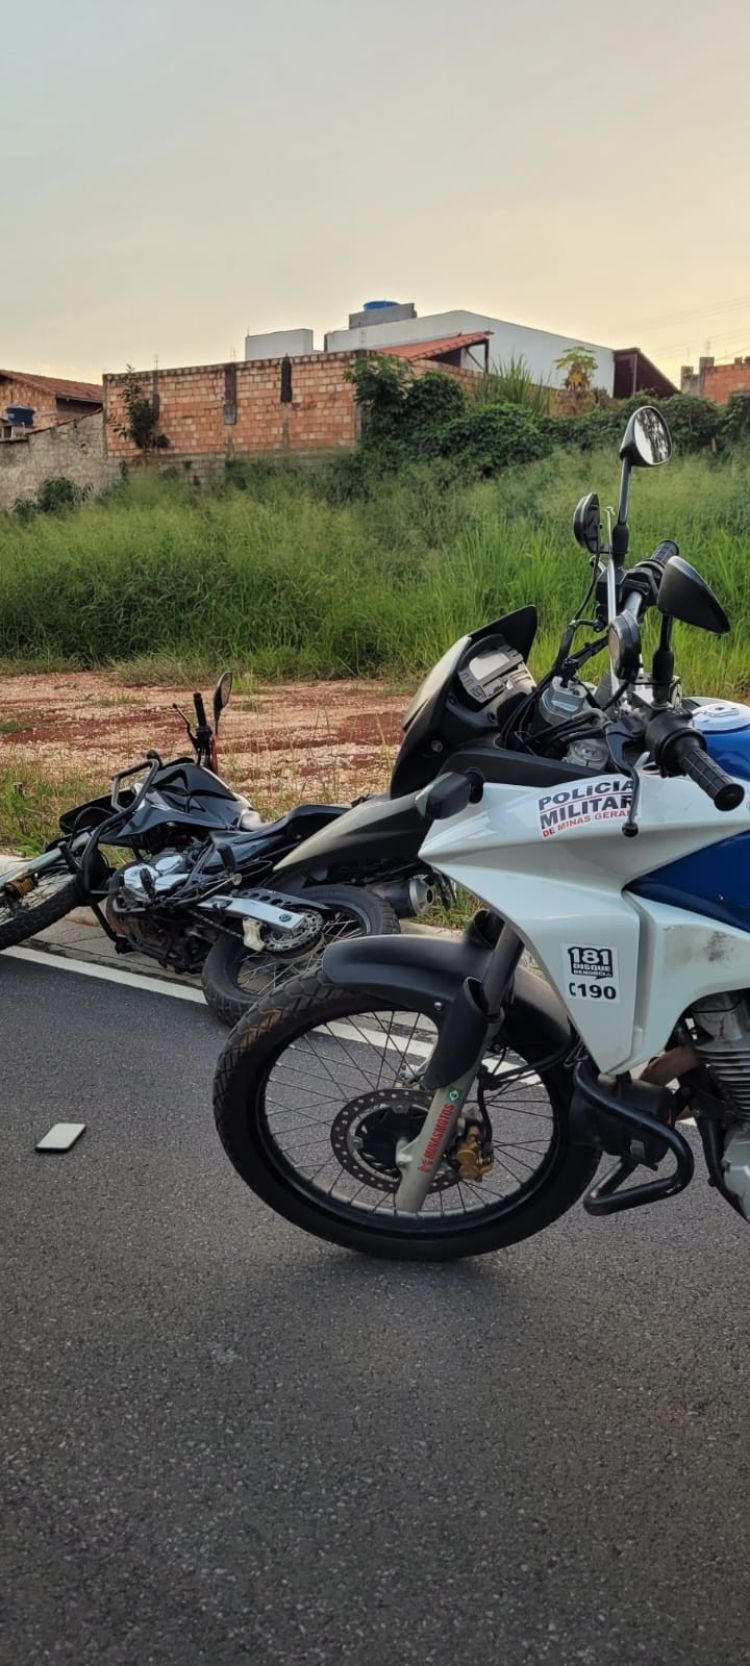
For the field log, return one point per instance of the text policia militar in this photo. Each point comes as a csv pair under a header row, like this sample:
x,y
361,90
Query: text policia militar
x,y
589,801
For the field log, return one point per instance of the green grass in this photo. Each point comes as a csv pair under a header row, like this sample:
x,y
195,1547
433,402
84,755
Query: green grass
x,y
280,580
31,802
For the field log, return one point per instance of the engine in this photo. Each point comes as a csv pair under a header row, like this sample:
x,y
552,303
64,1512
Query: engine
x,y
723,1046
137,908
141,883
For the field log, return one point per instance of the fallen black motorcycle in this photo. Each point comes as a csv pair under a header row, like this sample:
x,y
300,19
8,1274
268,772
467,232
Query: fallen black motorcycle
x,y
197,846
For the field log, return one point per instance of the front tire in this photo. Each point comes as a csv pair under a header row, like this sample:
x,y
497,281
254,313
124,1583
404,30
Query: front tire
x,y
235,978
270,1070
51,895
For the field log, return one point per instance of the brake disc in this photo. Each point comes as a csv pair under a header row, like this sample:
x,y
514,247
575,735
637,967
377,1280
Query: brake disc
x,y
366,1133
303,935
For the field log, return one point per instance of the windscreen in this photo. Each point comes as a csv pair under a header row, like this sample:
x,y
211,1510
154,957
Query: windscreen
x,y
440,674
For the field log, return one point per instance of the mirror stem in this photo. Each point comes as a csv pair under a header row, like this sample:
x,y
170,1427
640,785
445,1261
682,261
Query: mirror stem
x,y
620,531
663,665
612,587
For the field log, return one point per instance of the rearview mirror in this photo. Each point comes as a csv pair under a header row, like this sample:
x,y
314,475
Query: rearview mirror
x,y
625,647
222,692
647,440
587,523
684,595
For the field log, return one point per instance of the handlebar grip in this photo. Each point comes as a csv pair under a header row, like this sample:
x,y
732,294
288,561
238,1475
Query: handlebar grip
x,y
200,710
640,585
725,793
663,552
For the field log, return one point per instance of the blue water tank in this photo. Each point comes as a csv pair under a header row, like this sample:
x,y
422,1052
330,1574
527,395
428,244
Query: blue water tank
x,y
21,416
374,306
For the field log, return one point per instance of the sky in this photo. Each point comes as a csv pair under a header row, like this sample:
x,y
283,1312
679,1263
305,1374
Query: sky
x,y
172,173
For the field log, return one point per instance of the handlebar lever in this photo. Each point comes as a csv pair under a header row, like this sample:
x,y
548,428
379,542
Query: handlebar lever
x,y
625,742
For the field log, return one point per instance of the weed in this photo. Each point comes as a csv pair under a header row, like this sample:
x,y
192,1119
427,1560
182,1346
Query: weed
x,y
168,587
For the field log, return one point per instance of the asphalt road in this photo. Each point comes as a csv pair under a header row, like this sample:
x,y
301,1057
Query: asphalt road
x,y
225,1442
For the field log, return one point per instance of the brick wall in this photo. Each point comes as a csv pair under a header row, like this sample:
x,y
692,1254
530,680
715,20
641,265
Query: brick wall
x,y
267,405
468,379
75,449
716,381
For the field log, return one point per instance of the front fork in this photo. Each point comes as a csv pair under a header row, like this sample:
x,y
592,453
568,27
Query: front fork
x,y
473,1018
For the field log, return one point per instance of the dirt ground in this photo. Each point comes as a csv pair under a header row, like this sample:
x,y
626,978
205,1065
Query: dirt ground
x,y
280,743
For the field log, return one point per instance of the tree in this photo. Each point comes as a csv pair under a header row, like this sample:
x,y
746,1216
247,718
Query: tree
x,y
580,366
141,426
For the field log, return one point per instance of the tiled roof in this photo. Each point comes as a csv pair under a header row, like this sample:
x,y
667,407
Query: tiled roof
x,y
56,385
433,349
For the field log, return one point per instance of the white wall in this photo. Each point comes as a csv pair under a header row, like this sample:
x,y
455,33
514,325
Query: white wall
x,y
538,347
276,344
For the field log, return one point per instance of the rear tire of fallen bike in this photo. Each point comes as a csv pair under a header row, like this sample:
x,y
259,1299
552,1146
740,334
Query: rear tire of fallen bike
x,y
235,977
288,1098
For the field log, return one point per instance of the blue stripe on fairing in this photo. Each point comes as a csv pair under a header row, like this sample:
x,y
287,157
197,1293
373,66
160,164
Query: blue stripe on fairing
x,y
731,749
714,881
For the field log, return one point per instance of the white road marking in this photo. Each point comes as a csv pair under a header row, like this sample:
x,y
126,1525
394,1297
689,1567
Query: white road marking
x,y
160,986
109,974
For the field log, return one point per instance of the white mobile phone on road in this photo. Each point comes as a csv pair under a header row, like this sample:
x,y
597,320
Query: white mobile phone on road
x,y
62,1136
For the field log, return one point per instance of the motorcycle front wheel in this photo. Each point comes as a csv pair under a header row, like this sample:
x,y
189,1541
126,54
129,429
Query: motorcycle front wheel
x,y
33,896
317,1086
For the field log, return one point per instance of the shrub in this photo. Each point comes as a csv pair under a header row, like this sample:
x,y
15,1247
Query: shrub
x,y
485,440
24,508
735,421
380,386
141,425
695,424
430,403
512,383
54,497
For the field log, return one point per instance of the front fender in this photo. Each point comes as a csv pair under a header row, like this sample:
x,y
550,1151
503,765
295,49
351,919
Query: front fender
x,y
399,968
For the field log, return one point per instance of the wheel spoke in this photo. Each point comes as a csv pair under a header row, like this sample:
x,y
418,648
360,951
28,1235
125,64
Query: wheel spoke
x,y
336,1103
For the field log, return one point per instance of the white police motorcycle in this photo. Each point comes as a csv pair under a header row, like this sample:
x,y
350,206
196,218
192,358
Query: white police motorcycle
x,y
424,1098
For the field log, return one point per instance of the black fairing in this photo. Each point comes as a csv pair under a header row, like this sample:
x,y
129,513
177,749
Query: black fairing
x,y
402,967
185,795
271,841
441,718
389,832
500,766
379,831
182,796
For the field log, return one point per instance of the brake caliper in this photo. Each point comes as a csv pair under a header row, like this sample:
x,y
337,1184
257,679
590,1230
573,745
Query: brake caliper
x,y
471,1156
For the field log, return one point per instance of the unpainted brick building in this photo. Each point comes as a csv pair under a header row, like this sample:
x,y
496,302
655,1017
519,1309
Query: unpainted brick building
x,y
303,405
716,381
49,400
300,405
